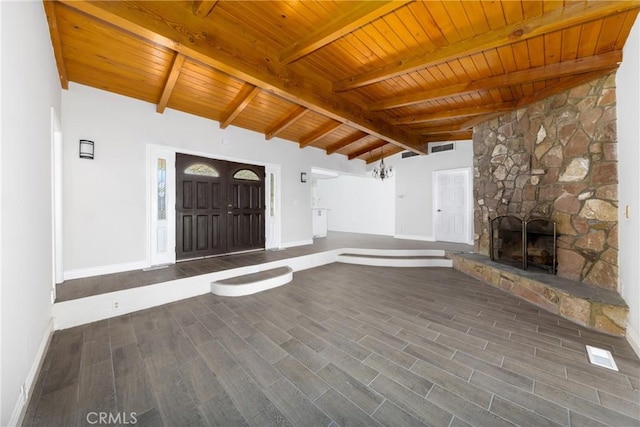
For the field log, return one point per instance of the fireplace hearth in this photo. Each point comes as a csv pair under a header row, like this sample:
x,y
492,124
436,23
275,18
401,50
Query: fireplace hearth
x,y
523,243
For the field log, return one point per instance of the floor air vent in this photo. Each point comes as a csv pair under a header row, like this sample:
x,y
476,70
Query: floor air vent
x,y
601,357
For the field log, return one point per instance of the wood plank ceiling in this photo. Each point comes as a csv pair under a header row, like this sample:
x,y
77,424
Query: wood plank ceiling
x,y
365,79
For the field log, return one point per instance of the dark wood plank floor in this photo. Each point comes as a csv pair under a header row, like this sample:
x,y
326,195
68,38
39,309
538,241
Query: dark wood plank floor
x,y
340,345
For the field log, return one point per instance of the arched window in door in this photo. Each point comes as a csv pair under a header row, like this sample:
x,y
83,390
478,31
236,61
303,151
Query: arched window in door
x,y
246,175
202,170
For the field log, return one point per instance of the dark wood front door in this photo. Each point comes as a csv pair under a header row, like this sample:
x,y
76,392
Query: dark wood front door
x,y
246,207
219,207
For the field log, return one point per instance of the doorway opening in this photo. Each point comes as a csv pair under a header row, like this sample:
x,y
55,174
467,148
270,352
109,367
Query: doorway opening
x,y
162,203
56,202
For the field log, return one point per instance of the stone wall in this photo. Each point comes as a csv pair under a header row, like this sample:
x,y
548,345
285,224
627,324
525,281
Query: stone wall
x,y
556,159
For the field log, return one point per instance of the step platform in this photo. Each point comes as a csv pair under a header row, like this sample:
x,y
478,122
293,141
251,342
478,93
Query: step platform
x,y
252,283
437,259
248,284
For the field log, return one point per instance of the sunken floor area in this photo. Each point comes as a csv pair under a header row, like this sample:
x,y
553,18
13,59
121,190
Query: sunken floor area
x,y
340,345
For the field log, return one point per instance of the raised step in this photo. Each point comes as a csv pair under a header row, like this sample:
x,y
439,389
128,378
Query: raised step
x,y
395,257
251,283
395,261
588,305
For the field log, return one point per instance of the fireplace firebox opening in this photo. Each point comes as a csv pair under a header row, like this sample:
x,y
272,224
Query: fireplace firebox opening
x,y
523,243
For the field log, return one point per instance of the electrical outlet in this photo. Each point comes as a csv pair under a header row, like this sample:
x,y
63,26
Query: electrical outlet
x,y
116,305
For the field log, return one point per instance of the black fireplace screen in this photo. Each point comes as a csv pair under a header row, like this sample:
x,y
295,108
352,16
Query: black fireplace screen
x,y
522,243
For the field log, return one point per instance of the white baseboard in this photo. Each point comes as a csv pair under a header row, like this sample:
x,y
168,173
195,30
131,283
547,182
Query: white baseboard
x,y
19,411
633,338
298,243
104,269
415,237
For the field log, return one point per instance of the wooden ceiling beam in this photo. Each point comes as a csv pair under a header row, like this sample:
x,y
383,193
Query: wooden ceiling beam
x,y
322,132
170,84
560,69
460,112
435,129
453,136
345,142
203,42
367,149
54,32
559,19
242,100
290,119
419,97
565,84
562,86
390,151
343,24
469,124
204,8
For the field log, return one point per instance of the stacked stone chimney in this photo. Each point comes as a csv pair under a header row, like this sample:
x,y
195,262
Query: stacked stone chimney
x,y
556,159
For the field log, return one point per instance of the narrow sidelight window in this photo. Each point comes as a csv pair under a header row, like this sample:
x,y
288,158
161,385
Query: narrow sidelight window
x,y
162,189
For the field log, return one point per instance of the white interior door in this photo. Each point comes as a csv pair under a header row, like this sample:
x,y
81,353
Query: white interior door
x,y
452,206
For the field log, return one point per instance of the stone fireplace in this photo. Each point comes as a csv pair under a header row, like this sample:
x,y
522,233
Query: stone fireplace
x,y
556,160
553,161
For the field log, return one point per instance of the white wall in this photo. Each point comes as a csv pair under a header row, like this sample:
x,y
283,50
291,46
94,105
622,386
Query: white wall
x,y
401,206
358,204
30,87
628,110
414,187
104,199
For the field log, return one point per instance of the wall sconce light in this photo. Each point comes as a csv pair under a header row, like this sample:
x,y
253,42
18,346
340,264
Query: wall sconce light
x,y
86,149
303,177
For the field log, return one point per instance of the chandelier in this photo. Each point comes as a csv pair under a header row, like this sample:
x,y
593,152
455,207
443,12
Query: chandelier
x,y
382,171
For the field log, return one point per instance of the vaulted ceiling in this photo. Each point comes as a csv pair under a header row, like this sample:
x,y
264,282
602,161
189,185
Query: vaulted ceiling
x,y
362,78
